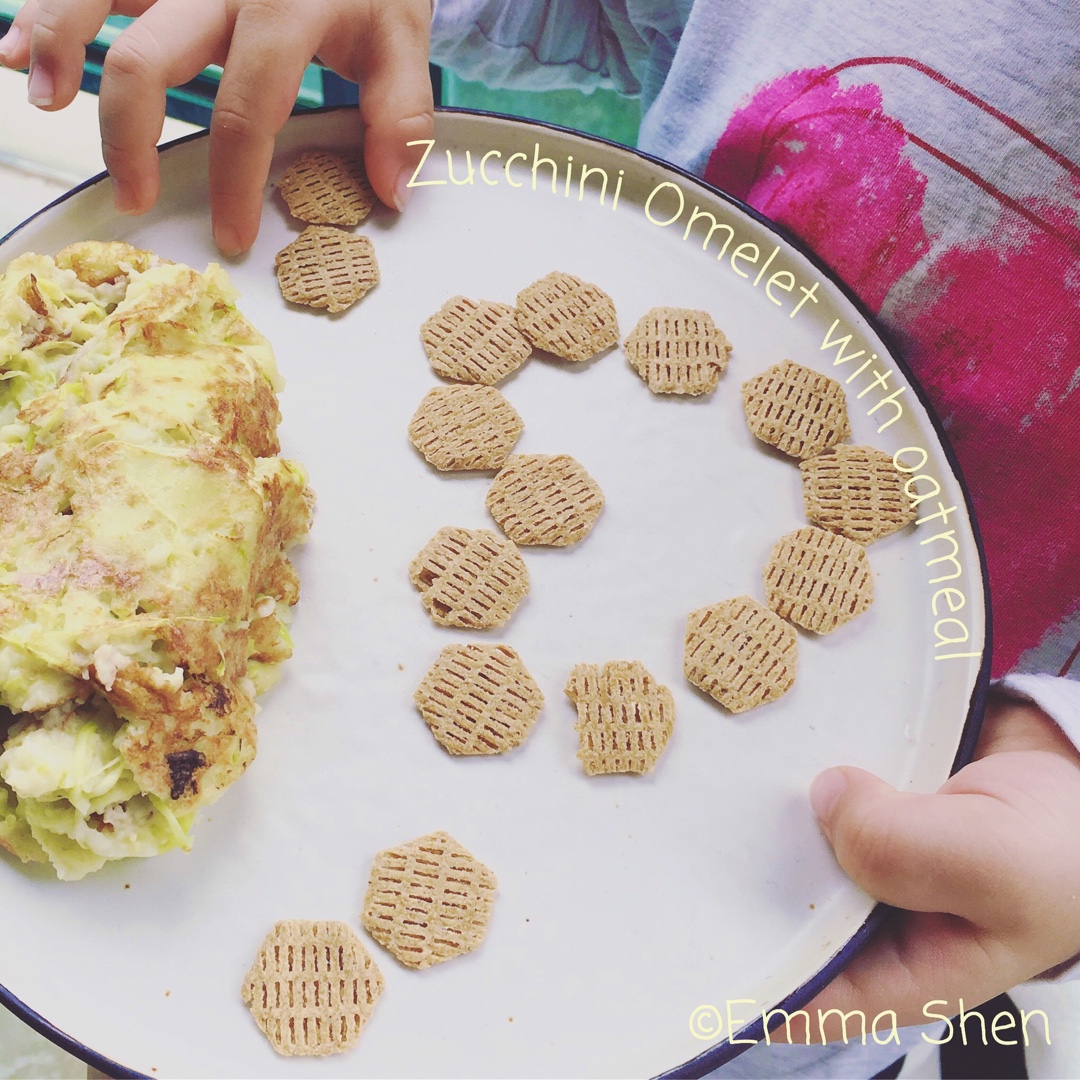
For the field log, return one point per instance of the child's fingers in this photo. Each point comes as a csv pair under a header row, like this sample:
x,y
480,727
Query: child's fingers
x,y
58,32
271,47
918,968
396,103
169,45
49,36
15,45
935,853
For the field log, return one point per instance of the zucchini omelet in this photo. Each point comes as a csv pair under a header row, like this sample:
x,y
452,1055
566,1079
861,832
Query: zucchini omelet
x,y
145,520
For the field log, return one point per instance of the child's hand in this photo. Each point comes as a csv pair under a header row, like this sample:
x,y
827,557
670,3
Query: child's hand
x,y
264,47
988,870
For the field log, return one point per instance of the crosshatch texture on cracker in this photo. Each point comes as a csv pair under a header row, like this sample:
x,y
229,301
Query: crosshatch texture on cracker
x,y
327,268
625,717
544,499
324,187
312,987
855,491
740,653
796,409
474,341
470,578
818,579
678,351
465,427
479,699
428,900
568,317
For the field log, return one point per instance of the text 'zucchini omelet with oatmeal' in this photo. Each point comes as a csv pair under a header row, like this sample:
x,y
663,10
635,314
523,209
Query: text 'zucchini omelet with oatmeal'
x,y
145,519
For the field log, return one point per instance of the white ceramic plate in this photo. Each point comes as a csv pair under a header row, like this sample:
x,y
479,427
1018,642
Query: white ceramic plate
x,y
625,903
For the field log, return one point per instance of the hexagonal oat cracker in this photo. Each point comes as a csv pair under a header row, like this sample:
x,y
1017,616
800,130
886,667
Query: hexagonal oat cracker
x,y
678,351
471,578
796,409
428,900
740,653
544,499
312,987
855,491
568,317
818,579
326,268
479,699
474,341
465,427
625,717
324,187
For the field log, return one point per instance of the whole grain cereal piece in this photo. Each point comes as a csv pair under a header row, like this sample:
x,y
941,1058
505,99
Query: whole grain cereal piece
x,y
325,187
471,578
678,351
465,427
855,491
740,653
625,717
428,900
566,316
474,341
818,580
327,268
312,987
544,499
796,409
479,699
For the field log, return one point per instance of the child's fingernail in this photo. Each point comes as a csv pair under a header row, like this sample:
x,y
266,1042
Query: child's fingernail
x,y
123,196
227,239
9,43
41,90
826,790
401,189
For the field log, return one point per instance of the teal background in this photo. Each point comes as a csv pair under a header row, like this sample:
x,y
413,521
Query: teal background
x,y
601,112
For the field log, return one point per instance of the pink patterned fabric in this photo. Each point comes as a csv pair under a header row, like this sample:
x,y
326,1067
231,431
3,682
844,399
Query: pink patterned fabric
x,y
990,327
